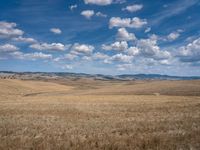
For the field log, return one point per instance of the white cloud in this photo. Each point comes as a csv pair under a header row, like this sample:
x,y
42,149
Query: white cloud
x,y
124,35
147,30
150,49
133,51
118,46
165,62
70,56
72,7
190,52
87,13
81,49
68,67
173,36
8,48
25,40
104,2
127,22
133,8
190,38
57,59
31,56
17,55
37,55
100,14
153,62
77,50
56,30
119,1
121,58
86,58
122,67
99,56
8,25
8,30
98,2
51,47
154,37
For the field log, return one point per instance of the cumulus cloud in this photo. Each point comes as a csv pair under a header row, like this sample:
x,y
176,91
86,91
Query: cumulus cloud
x,y
154,37
143,48
124,35
127,22
56,30
87,13
70,56
190,52
149,48
98,2
121,58
77,51
31,56
72,7
104,2
100,56
51,47
133,8
133,51
8,48
173,36
100,14
118,46
37,55
81,49
153,62
25,40
8,30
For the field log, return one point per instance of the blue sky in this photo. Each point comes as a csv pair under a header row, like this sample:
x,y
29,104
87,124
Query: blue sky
x,y
101,36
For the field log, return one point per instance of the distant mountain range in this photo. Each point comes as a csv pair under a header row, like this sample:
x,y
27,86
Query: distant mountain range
x,y
47,75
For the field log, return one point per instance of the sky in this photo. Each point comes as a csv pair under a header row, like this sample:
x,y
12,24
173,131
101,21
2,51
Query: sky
x,y
101,36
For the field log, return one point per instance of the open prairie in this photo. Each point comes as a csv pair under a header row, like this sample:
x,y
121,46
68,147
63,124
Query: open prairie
x,y
94,114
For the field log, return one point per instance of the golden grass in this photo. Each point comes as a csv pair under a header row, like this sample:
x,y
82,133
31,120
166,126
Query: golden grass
x,y
43,115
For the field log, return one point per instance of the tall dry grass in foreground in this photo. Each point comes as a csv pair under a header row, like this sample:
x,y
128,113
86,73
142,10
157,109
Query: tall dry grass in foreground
x,y
50,119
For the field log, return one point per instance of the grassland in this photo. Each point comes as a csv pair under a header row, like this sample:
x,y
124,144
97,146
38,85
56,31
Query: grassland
x,y
89,114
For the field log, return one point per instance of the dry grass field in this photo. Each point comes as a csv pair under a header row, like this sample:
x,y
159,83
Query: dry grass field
x,y
89,114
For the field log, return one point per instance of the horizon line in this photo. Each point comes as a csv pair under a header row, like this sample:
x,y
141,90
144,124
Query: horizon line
x,y
96,73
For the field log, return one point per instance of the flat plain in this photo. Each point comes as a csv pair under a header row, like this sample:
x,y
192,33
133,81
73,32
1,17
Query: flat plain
x,y
95,114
